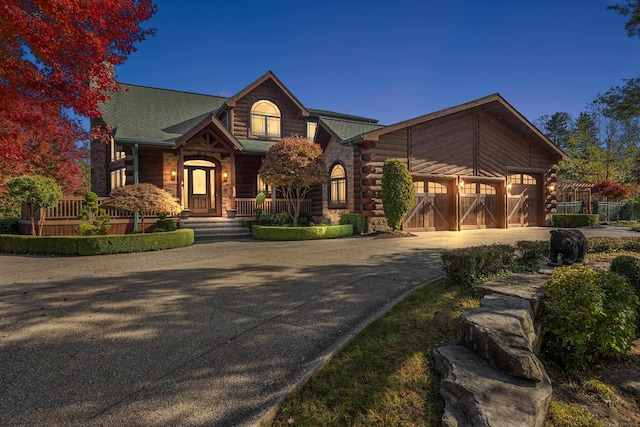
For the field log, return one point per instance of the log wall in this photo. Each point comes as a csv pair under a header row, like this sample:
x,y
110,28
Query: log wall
x,y
443,146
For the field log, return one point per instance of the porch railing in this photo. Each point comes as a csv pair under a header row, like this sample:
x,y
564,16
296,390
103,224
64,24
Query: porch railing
x,y
70,208
246,206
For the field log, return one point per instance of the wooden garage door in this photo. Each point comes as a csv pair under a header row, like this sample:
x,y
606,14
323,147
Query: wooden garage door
x,y
478,206
523,201
433,207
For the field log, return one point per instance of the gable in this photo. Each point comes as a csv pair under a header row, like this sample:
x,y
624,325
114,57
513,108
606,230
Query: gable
x,y
293,118
443,146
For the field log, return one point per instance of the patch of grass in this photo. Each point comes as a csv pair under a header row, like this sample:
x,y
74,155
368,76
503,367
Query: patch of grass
x,y
602,391
562,414
385,375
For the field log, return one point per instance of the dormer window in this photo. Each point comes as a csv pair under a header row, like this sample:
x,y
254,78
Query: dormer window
x,y
265,119
312,128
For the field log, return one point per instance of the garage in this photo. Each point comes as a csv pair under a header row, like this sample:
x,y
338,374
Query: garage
x,y
434,206
479,206
524,200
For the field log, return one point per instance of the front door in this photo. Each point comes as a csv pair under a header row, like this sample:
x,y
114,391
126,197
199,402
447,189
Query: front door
x,y
201,185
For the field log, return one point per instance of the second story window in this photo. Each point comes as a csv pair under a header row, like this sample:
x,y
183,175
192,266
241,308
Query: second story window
x,y
265,119
312,127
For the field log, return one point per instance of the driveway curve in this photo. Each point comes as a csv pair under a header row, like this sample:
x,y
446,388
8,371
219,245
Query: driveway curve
x,y
213,334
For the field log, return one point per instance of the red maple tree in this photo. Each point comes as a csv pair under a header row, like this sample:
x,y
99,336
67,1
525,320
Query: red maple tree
x,y
57,58
611,190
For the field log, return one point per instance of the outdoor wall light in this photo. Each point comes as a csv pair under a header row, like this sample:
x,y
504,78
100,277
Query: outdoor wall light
x,y
225,176
551,187
173,175
509,185
461,183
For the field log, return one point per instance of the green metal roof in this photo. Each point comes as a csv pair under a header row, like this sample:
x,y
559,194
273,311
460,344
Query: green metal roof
x,y
346,129
256,145
334,115
150,114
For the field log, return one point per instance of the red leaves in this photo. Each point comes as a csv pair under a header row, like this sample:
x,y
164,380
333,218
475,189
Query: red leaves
x,y
294,161
57,56
612,190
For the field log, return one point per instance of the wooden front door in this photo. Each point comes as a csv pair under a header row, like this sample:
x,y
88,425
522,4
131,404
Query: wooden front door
x,y
478,206
433,207
201,192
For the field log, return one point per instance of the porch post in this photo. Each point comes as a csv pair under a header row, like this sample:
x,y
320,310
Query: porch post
x,y
232,201
180,183
135,181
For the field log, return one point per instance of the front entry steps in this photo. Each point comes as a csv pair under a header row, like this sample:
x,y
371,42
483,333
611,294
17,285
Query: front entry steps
x,y
208,229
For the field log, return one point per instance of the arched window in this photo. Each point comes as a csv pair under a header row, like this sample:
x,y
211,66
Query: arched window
x,y
338,186
265,119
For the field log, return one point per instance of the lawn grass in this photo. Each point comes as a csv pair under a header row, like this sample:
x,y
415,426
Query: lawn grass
x,y
384,376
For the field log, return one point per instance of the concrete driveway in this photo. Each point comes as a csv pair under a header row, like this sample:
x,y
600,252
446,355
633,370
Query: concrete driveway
x,y
214,334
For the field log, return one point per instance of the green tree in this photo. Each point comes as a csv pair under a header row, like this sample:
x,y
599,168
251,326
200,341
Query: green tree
x,y
624,101
398,195
142,198
630,10
293,165
557,128
93,211
39,192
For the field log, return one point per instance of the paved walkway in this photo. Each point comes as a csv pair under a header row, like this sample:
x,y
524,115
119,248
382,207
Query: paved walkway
x,y
213,334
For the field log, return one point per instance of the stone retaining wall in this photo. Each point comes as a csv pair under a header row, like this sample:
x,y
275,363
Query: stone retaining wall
x,y
493,377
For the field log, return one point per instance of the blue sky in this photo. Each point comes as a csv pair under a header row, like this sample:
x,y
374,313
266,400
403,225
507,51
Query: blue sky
x,y
392,60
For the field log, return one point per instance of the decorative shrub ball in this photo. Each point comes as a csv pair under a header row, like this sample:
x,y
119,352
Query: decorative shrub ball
x,y
571,244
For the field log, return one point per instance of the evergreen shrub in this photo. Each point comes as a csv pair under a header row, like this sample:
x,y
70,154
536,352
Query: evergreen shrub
x,y
628,267
470,266
587,314
9,225
301,233
358,221
531,253
96,245
575,220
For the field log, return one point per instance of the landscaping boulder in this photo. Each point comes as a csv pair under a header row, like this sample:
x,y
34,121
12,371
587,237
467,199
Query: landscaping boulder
x,y
501,331
477,394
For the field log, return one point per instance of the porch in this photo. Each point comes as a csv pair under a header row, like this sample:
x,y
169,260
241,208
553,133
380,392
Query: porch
x,y
62,219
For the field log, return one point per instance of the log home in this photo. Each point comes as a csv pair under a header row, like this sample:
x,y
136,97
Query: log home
x,y
475,165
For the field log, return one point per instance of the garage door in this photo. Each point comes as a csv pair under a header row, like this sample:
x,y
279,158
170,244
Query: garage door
x,y
523,200
478,206
433,208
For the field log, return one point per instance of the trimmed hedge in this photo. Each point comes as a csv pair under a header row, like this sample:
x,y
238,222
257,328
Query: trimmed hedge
x,y
301,233
9,225
470,266
575,220
613,244
96,245
358,221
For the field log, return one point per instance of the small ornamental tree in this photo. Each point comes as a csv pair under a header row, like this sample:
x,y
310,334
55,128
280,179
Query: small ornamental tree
x,y
293,165
94,212
398,196
39,192
611,190
142,198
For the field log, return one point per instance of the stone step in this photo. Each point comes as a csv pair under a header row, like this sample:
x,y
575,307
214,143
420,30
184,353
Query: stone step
x,y
206,229
478,394
501,331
